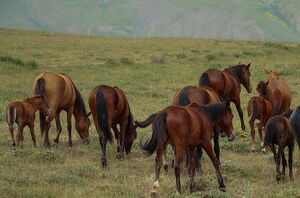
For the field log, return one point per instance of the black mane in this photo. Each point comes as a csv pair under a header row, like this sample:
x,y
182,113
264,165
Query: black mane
x,y
237,71
129,128
79,101
213,111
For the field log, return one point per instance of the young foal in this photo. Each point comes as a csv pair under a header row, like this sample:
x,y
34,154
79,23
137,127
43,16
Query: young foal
x,y
185,128
110,107
261,109
22,114
278,131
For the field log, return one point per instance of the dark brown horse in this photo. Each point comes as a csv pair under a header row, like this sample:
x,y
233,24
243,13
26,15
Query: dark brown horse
x,y
109,107
227,84
185,128
259,108
22,114
278,93
295,123
278,131
60,94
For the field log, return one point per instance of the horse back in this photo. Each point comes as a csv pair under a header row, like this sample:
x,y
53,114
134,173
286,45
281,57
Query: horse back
x,y
214,79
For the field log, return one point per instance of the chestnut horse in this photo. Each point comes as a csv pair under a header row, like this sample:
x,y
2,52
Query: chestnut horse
x,y
227,84
261,109
60,94
278,131
109,107
23,114
185,128
278,93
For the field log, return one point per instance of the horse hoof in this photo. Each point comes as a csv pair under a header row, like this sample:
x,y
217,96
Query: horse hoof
x,y
166,167
243,127
70,144
252,149
120,156
222,188
263,150
56,141
278,177
46,144
104,164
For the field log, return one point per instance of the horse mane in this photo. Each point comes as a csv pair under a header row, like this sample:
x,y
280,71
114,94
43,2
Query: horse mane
x,y
79,101
261,88
237,71
129,123
213,111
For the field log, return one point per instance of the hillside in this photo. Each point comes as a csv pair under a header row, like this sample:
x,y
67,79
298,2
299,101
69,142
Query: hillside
x,y
150,71
235,19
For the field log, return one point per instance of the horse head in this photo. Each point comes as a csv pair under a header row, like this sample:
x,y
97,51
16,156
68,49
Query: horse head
x,y
273,74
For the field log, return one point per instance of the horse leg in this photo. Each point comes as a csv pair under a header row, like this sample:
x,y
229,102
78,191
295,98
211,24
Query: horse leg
x,y
20,137
47,128
31,127
260,132
179,153
291,149
192,168
103,147
208,149
278,159
165,163
122,138
158,163
238,107
284,163
198,156
217,146
11,129
117,136
69,125
252,132
58,128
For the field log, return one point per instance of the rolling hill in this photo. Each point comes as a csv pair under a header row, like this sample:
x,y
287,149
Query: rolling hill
x,y
235,19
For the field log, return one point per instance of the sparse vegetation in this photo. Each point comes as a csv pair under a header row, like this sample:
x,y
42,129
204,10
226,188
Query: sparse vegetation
x,y
149,85
18,62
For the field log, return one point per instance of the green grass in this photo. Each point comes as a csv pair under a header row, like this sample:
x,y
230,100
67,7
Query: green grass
x,y
150,71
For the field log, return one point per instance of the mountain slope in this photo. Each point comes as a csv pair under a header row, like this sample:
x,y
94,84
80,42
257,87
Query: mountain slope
x,y
235,19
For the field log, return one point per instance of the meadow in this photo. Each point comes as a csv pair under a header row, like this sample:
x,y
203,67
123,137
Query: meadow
x,y
150,71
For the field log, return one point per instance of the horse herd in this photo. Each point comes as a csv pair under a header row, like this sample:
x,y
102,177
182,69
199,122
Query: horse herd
x,y
197,115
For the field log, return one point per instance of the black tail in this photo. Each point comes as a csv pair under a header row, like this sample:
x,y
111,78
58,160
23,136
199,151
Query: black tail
x,y
184,99
147,122
40,86
295,123
270,131
254,111
102,116
159,134
204,80
40,90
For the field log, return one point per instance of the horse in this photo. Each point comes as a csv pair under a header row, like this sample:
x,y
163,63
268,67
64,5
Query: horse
x,y
278,131
227,84
109,107
295,123
261,109
278,92
60,93
22,114
185,127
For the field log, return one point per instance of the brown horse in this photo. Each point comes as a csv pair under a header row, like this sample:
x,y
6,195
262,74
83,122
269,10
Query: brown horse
x,y
185,128
261,109
278,131
110,107
61,94
227,84
278,93
23,114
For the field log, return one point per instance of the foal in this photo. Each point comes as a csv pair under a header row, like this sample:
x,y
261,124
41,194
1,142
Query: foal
x,y
261,109
22,114
278,131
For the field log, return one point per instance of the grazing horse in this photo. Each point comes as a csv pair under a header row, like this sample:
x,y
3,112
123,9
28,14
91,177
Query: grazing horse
x,y
261,109
278,131
295,123
23,114
109,107
60,94
227,84
185,128
278,93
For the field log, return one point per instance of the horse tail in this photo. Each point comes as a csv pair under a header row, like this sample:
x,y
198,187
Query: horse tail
x,y
147,122
270,131
254,111
40,90
159,134
11,116
184,99
295,123
277,103
204,79
102,115
40,86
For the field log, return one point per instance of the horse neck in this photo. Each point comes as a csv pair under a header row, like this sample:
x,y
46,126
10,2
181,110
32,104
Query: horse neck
x,y
78,114
235,76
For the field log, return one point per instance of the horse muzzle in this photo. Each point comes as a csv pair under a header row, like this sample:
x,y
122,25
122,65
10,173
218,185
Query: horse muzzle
x,y
249,90
231,137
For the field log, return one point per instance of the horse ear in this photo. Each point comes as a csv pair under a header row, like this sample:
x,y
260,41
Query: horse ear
x,y
267,71
279,73
248,65
88,114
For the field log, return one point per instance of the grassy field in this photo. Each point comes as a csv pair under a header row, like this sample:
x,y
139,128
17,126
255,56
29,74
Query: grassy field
x,y
149,71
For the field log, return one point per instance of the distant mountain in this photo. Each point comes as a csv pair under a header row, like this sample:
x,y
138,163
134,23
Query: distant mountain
x,y
220,19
